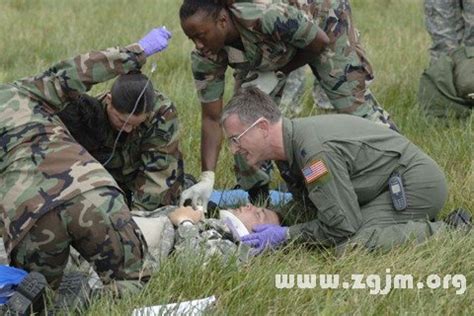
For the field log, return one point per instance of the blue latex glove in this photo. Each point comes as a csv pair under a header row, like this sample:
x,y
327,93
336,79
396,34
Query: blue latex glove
x,y
155,41
10,277
266,235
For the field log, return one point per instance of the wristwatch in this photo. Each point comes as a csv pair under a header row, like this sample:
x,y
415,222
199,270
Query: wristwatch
x,y
186,222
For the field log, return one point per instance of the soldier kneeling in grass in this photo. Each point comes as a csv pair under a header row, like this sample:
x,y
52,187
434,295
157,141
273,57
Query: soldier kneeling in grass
x,y
364,184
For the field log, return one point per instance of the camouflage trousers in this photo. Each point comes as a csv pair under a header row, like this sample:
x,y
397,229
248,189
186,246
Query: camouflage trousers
x,y
291,101
450,24
99,225
342,70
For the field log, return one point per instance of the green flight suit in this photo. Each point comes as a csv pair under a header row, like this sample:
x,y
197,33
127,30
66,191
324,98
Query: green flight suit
x,y
349,192
447,85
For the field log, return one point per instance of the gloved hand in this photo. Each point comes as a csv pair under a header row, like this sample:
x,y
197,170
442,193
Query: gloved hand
x,y
269,82
266,235
200,192
156,40
182,214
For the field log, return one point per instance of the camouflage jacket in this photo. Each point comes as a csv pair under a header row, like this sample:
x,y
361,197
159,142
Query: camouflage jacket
x,y
271,34
34,176
208,238
146,163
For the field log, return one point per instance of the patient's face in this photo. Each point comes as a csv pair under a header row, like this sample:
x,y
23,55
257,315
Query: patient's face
x,y
250,215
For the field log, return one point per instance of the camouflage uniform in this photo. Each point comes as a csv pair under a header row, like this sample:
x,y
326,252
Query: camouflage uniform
x,y
291,97
271,34
208,238
450,24
49,181
147,163
291,103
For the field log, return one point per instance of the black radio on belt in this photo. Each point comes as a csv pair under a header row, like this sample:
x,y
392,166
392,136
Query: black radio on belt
x,y
397,192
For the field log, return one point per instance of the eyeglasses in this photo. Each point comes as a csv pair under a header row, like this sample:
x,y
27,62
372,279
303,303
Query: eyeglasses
x,y
235,140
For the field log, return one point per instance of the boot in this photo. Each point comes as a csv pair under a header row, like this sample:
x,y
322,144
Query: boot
x,y
73,293
29,296
459,219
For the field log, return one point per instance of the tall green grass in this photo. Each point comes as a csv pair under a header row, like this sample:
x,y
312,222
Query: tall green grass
x,y
35,34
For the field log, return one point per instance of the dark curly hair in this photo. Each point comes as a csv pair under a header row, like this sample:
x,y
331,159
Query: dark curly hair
x,y
212,7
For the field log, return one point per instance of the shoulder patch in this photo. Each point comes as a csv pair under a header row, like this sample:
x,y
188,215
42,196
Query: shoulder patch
x,y
314,171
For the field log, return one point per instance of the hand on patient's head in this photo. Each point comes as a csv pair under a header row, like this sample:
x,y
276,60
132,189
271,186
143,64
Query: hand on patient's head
x,y
186,213
251,215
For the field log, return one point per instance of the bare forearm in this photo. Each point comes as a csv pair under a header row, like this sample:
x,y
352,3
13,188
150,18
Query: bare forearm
x,y
301,58
211,138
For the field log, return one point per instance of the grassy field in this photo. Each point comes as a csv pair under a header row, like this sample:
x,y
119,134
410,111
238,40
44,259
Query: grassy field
x,y
35,34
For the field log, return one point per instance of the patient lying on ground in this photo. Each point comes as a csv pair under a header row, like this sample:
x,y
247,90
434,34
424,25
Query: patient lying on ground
x,y
246,216
178,228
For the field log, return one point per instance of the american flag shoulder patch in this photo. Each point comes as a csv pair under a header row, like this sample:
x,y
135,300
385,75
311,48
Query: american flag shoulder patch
x,y
314,171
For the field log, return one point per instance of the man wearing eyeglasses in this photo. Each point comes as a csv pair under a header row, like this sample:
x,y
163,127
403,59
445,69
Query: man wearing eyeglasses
x,y
362,183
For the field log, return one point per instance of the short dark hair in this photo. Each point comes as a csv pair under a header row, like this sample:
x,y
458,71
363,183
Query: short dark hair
x,y
250,104
191,7
131,88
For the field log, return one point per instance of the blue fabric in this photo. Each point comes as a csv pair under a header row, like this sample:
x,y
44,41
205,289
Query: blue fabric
x,y
9,278
231,198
